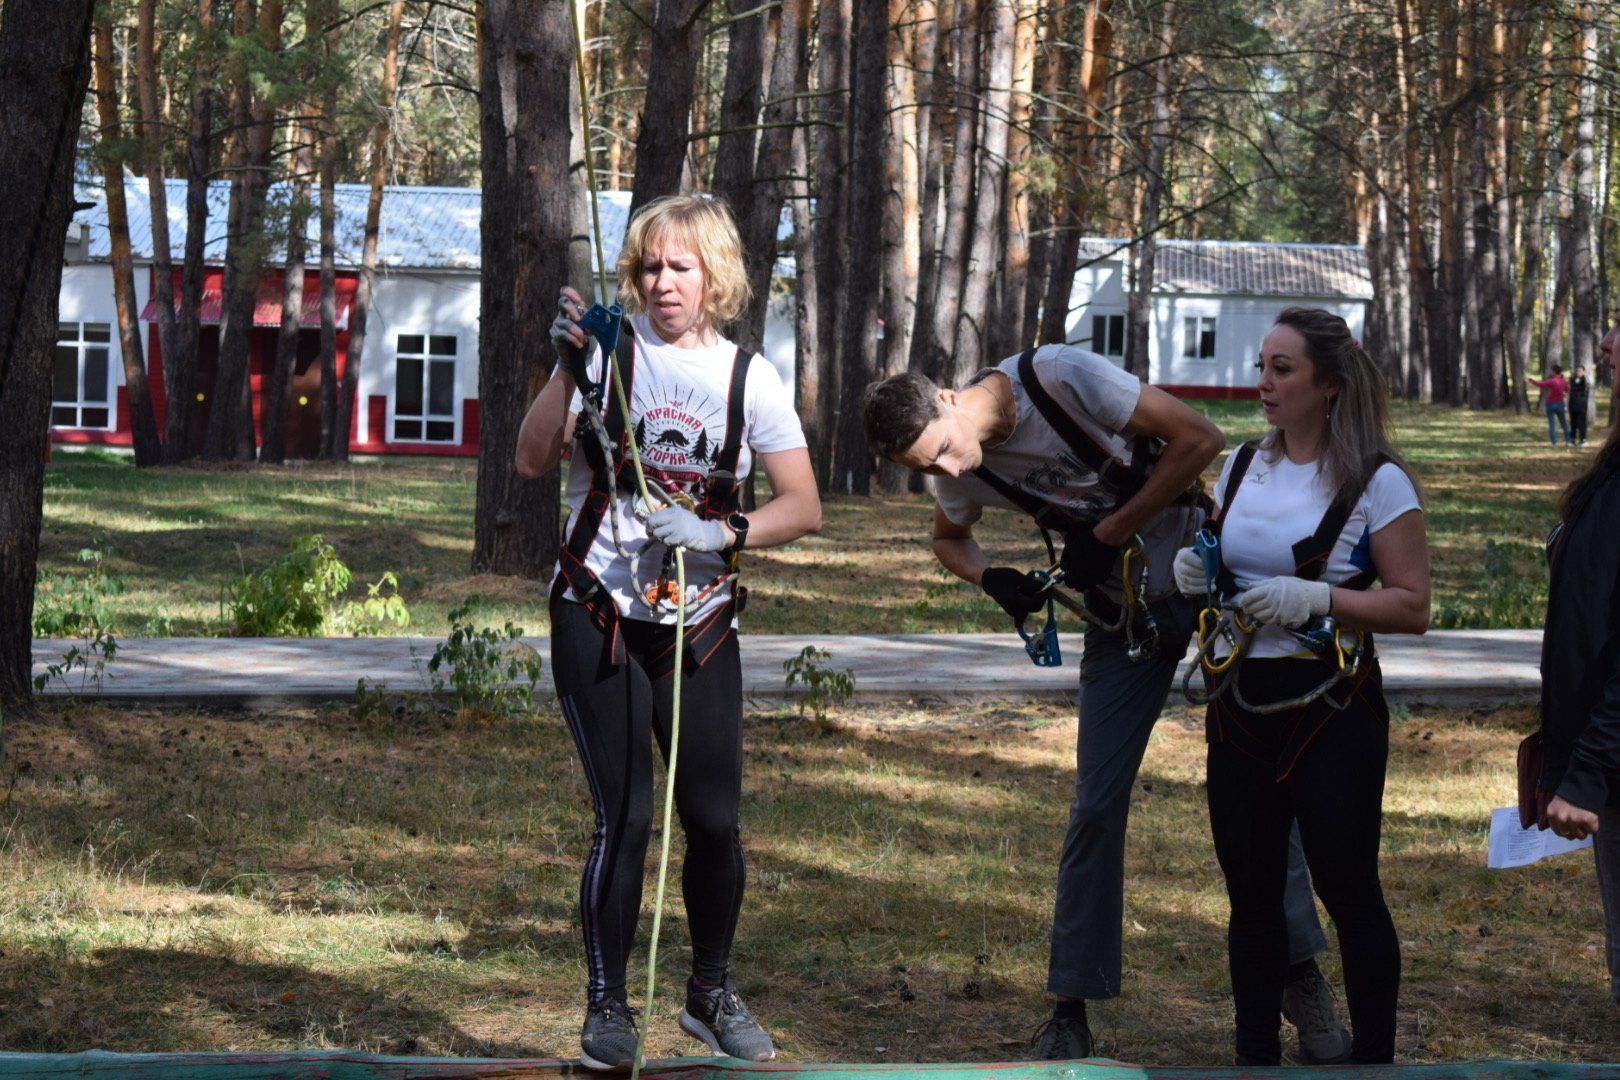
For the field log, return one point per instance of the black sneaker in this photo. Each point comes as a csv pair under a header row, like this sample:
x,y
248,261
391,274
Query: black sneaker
x,y
608,1042
717,1015
1062,1038
1308,1004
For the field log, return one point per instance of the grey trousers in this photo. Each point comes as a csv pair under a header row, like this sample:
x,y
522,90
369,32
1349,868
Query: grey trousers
x,y
1606,846
1120,701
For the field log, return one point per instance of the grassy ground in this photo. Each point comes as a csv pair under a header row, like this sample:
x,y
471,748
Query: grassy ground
x,y
179,536
186,880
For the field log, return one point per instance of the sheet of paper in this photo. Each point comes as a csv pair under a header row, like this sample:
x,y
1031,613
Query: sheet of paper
x,y
1512,846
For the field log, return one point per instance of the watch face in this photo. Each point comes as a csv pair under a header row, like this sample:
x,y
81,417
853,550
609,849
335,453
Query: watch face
x,y
737,522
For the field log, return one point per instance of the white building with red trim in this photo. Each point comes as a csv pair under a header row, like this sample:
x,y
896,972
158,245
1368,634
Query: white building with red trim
x,y
1213,302
418,394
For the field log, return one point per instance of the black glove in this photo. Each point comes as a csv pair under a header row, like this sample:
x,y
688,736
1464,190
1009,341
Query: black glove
x,y
1018,593
1087,561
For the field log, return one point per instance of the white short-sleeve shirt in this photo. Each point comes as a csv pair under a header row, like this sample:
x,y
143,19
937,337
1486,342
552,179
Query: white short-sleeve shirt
x,y
1278,504
1101,398
678,408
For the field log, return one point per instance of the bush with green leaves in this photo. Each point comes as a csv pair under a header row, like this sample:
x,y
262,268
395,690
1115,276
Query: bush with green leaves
x,y
68,605
1511,597
382,607
292,597
824,685
483,669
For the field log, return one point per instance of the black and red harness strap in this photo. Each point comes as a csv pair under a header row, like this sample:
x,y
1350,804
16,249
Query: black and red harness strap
x,y
610,477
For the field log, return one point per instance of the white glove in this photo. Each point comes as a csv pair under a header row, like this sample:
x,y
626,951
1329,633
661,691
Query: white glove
x,y
1286,601
679,527
1190,577
573,356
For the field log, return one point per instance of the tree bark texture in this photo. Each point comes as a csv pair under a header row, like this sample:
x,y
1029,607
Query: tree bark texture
x,y
526,66
143,425
327,150
44,70
937,360
361,311
150,131
859,317
1139,329
677,44
278,394
810,359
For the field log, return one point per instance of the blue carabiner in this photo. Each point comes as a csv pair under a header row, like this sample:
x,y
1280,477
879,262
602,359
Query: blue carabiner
x,y
1043,646
602,323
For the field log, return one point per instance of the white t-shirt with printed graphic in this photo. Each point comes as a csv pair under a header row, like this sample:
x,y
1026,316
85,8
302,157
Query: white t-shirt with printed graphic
x,y
1278,504
1101,398
678,406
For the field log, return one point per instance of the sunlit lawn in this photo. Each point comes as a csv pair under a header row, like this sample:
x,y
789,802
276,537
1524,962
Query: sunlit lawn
x,y
183,880
179,536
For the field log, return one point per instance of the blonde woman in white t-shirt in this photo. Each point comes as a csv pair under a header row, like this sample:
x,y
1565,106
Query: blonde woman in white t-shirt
x,y
701,409
1286,561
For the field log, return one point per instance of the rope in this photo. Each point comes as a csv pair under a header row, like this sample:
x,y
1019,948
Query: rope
x,y
615,377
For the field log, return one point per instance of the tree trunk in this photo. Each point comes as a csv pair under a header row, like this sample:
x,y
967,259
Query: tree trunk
x,y
931,28
277,403
526,64
739,108
900,231
773,165
1008,331
180,366
230,418
150,132
1072,208
972,328
951,260
1139,330
867,135
831,180
1583,277
328,151
809,363
44,70
143,426
350,390
677,42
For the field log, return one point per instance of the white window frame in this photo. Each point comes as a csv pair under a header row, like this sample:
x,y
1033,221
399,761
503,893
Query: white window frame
x,y
428,357
1101,347
1193,328
71,335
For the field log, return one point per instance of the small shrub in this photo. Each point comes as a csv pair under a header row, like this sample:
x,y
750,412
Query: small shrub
x,y
483,669
1509,598
824,685
292,596
382,606
75,606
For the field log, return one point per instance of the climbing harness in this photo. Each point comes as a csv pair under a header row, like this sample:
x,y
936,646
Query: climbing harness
x,y
1221,620
1124,479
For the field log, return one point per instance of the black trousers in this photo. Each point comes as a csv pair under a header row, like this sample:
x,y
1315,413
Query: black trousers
x,y
1335,789
1577,421
615,713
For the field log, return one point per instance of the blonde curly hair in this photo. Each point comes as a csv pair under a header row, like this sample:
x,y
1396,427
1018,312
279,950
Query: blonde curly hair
x,y
703,224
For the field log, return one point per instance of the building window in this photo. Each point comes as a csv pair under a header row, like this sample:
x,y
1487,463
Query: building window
x,y
1198,337
81,377
425,388
1108,334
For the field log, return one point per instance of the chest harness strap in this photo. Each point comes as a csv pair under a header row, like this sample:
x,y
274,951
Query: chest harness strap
x,y
1322,635
602,439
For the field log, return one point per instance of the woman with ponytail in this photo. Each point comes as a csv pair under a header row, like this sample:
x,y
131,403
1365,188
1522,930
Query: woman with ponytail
x,y
1311,516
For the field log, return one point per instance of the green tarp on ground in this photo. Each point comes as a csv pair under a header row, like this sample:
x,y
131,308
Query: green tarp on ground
x,y
344,1065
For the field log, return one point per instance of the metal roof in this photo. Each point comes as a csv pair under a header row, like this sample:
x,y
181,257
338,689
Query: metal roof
x,y
422,227
1241,267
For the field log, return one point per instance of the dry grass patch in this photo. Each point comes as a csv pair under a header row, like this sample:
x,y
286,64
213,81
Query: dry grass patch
x,y
200,880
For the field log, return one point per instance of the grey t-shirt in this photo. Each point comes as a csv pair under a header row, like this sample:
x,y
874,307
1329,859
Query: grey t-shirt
x,y
1101,399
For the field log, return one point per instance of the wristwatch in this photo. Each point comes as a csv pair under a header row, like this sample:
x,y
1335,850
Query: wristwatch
x,y
738,525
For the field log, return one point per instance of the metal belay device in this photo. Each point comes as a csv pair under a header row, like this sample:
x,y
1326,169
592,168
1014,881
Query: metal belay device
x,y
1133,618
1222,620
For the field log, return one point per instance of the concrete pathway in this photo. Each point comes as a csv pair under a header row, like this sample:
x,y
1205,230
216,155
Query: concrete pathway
x,y
1444,666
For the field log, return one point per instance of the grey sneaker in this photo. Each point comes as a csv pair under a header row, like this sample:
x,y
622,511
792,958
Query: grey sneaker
x,y
1308,1005
1062,1038
608,1042
717,1015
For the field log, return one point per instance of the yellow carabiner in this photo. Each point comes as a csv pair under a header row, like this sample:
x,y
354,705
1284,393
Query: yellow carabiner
x,y
1209,624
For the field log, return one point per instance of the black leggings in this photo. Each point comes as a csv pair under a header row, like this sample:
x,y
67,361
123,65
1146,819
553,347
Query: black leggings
x,y
611,712
1336,790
